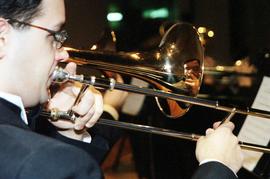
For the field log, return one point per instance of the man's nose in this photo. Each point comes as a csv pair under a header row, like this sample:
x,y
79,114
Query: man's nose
x,y
62,55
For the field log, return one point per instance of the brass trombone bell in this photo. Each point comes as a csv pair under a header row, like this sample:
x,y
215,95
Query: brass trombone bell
x,y
175,67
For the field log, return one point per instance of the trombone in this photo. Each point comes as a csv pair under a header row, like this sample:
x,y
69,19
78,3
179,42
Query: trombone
x,y
175,70
61,75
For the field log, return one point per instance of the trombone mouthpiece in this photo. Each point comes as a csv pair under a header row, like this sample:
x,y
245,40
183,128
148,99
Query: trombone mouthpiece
x,y
60,76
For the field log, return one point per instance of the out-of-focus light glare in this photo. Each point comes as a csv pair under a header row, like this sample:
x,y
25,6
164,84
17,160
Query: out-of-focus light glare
x,y
156,13
168,67
238,63
201,30
220,68
68,48
210,33
201,38
158,56
135,56
114,16
94,47
113,36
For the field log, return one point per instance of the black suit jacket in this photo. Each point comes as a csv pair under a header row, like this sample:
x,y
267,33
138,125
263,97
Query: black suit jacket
x,y
103,137
25,154
213,170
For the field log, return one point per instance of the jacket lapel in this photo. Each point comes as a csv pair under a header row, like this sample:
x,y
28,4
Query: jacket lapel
x,y
10,114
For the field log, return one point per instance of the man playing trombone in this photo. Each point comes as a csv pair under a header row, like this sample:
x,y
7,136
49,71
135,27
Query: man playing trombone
x,y
31,42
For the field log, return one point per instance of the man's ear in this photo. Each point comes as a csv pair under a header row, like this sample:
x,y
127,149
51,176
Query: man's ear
x,y
4,29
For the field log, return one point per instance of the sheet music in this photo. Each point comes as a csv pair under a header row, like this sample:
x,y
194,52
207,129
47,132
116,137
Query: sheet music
x,y
257,130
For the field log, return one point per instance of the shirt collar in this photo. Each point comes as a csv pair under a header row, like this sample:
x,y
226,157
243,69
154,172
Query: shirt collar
x,y
17,101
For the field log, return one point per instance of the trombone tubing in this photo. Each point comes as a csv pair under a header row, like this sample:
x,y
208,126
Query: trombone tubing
x,y
105,83
162,131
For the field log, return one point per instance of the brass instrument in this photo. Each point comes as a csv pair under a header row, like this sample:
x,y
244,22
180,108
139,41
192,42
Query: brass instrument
x,y
61,76
175,67
175,70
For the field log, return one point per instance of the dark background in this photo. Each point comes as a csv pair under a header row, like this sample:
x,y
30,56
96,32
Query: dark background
x,y
241,27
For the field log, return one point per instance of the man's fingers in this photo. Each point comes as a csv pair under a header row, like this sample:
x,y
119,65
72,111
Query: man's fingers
x,y
90,109
209,131
229,125
87,102
216,124
71,68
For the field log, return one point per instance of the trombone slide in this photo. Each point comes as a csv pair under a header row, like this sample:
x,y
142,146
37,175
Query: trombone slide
x,y
155,130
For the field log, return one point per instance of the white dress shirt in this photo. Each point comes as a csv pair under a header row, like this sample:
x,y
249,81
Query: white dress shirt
x,y
16,100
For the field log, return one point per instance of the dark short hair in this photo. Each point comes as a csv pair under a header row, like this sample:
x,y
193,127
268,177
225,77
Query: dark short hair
x,y
23,10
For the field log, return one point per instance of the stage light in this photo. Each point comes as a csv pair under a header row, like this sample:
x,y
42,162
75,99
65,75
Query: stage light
x,y
114,16
156,13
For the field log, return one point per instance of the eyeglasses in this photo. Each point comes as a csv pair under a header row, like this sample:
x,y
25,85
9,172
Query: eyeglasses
x,y
59,36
